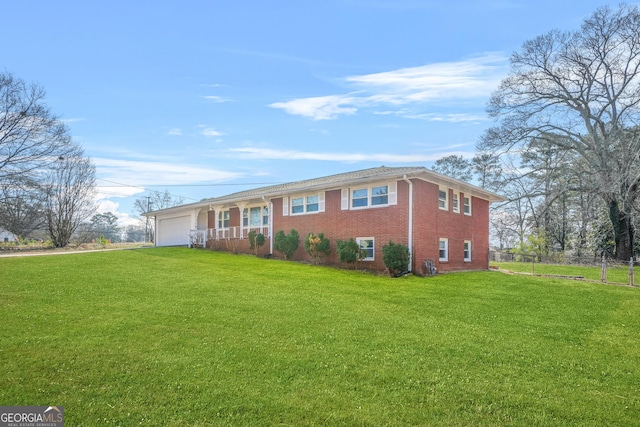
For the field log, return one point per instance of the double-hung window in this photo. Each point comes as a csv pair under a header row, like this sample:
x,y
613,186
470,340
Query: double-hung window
x,y
311,203
455,201
467,205
467,251
308,203
443,249
370,196
380,195
443,199
297,205
223,219
360,198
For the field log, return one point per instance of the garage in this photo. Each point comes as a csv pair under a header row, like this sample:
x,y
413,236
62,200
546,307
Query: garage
x,y
173,231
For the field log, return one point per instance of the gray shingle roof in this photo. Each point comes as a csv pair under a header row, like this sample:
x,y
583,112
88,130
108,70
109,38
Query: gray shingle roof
x,y
322,182
336,181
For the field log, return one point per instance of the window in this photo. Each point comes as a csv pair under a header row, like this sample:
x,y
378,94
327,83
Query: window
x,y
442,199
297,205
360,198
307,204
467,205
255,217
312,203
380,195
367,245
467,251
223,219
371,196
444,250
456,202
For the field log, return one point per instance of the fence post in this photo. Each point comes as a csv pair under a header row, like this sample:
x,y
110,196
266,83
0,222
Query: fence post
x,y
631,273
603,270
533,266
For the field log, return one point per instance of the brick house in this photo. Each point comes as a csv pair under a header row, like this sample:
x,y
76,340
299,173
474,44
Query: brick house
x,y
443,221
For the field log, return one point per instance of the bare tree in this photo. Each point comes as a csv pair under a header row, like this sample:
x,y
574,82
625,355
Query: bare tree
x,y
30,136
154,201
31,141
21,205
582,87
70,191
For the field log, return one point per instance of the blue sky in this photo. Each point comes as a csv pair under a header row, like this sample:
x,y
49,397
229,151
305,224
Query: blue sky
x,y
205,98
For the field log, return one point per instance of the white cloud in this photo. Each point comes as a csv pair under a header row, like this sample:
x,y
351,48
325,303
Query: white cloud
x,y
267,153
124,219
474,78
175,132
215,98
319,108
137,173
437,117
210,132
108,191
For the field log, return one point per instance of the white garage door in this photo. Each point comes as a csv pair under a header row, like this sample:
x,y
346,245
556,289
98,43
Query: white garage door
x,y
173,231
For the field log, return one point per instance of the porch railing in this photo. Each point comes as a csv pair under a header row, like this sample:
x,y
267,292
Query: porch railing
x,y
200,237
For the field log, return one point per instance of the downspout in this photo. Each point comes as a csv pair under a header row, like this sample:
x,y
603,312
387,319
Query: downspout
x,y
410,237
270,224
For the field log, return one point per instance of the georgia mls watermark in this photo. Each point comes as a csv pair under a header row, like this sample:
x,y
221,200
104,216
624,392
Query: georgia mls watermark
x,y
31,416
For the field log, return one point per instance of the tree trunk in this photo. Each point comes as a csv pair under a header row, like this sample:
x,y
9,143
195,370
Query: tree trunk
x,y
623,231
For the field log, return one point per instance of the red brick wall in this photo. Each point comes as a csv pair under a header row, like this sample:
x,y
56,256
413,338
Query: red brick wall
x,y
432,223
383,224
391,223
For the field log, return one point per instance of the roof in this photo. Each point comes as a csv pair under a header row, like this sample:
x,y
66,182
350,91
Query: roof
x,y
337,181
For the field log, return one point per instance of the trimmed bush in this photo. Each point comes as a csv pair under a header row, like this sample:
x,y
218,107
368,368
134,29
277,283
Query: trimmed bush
x,y
350,252
396,257
317,246
286,243
256,241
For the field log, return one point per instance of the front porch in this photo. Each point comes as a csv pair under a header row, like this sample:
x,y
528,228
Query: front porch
x,y
200,237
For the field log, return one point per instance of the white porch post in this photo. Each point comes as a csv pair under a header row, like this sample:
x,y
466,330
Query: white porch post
x,y
216,211
241,206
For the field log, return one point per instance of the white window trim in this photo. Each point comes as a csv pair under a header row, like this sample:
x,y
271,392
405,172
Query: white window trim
x,y
455,202
373,239
464,205
218,220
446,249
248,210
468,258
446,198
346,198
288,203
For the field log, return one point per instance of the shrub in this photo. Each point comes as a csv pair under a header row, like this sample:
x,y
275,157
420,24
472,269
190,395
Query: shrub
x,y
103,241
317,246
286,243
350,252
256,241
396,257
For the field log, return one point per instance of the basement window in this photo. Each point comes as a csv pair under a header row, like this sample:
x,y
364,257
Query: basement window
x,y
367,244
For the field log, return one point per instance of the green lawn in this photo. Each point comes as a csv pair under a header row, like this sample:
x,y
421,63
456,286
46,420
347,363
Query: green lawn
x,y
616,273
179,337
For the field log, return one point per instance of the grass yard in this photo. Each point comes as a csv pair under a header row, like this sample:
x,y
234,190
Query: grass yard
x,y
615,273
179,337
